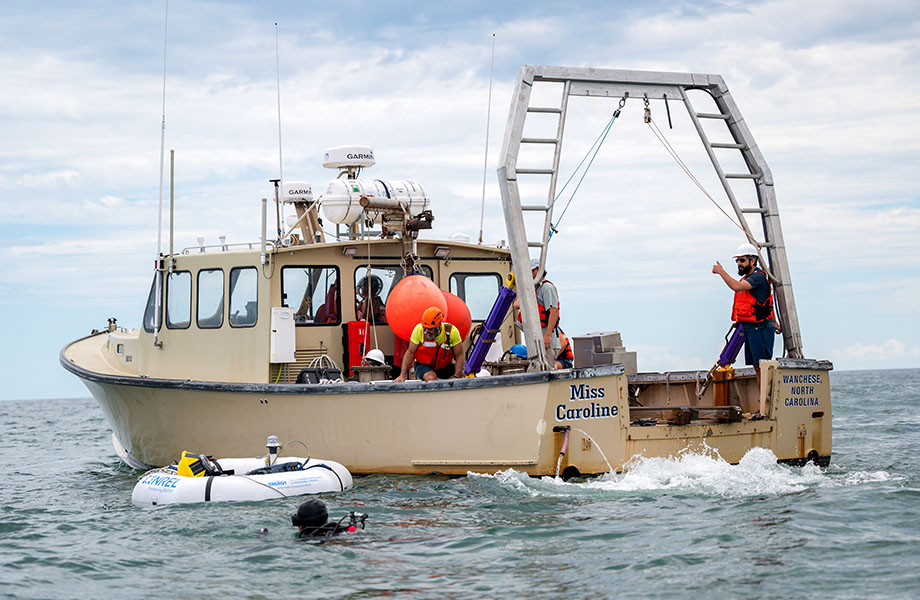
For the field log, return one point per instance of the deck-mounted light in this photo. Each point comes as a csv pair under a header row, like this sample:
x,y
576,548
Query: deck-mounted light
x,y
350,251
223,242
442,252
200,240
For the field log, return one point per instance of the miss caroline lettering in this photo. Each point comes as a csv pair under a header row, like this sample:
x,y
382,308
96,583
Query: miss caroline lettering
x,y
594,411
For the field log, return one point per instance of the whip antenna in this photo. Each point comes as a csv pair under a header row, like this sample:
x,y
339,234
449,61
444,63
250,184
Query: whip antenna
x,y
278,80
485,166
162,132
159,276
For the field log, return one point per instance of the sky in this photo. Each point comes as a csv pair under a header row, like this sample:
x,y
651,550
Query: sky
x,y
828,88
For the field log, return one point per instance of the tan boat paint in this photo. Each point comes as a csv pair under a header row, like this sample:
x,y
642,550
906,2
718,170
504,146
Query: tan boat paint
x,y
210,391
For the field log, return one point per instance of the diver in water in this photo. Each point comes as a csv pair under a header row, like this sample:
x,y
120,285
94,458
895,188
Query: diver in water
x,y
312,521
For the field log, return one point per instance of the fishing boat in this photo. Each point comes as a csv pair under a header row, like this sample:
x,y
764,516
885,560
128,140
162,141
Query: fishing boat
x,y
270,336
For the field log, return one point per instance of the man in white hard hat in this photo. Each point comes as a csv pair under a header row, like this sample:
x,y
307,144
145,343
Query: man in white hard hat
x,y
752,306
548,304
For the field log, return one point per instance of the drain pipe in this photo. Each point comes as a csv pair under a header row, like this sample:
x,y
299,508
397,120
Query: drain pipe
x,y
565,444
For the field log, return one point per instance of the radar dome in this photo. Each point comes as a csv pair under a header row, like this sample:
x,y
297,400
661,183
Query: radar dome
x,y
296,191
349,157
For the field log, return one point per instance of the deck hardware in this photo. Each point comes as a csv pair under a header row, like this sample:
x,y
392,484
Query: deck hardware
x,y
647,118
668,110
552,228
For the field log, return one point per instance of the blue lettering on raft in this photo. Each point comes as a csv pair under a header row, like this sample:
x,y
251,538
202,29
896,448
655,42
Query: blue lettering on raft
x,y
162,481
595,411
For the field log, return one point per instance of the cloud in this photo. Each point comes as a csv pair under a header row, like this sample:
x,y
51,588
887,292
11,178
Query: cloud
x,y
48,179
889,350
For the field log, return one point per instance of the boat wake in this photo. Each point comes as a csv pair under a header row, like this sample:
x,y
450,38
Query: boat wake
x,y
697,473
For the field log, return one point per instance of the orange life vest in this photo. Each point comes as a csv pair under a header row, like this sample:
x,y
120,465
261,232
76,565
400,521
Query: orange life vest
x,y
437,356
544,312
566,352
745,307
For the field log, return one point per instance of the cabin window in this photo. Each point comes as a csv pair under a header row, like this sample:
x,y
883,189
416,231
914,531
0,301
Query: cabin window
x,y
210,310
150,313
478,290
179,300
313,293
370,304
244,297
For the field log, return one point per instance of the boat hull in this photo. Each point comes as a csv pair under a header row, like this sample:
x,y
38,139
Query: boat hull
x,y
455,426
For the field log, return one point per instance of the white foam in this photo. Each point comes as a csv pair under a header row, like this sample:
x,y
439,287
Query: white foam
x,y
700,473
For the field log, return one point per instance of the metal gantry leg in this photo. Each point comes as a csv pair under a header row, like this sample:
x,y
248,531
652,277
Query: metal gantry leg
x,y
609,83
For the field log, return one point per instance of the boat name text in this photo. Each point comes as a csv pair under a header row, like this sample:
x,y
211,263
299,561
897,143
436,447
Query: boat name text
x,y
585,392
595,411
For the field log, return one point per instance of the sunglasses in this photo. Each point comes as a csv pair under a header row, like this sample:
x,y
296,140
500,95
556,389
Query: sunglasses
x,y
741,260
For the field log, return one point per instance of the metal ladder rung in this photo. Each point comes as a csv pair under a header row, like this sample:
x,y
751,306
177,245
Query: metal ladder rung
x,y
754,210
534,171
543,109
729,146
742,176
534,244
539,141
540,207
713,116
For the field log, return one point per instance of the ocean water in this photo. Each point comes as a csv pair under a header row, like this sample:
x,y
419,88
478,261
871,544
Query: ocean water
x,y
687,526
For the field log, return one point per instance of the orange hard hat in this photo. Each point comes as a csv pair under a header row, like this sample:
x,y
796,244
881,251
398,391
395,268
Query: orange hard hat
x,y
432,317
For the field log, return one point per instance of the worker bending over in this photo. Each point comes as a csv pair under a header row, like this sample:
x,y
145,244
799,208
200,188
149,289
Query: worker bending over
x,y
436,348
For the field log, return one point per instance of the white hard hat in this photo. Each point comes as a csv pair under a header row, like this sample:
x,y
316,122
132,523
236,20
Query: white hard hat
x,y
746,249
534,264
375,355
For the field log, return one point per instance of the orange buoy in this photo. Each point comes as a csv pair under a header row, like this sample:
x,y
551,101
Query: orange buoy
x,y
408,300
458,314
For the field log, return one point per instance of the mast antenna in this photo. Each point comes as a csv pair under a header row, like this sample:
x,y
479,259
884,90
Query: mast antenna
x,y
485,166
162,133
278,80
158,301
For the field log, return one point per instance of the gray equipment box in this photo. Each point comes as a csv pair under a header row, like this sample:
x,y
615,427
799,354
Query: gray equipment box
x,y
602,348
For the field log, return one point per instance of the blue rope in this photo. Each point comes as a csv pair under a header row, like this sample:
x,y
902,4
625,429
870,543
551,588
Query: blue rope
x,y
596,146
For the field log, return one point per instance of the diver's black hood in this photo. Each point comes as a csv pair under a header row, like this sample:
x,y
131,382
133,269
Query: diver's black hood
x,y
311,513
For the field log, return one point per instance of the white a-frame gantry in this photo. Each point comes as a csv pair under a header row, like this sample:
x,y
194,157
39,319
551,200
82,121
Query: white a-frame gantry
x,y
611,83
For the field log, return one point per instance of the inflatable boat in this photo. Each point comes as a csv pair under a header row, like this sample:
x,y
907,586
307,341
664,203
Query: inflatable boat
x,y
239,479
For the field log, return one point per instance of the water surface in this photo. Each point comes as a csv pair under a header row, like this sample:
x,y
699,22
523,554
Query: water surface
x,y
684,526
